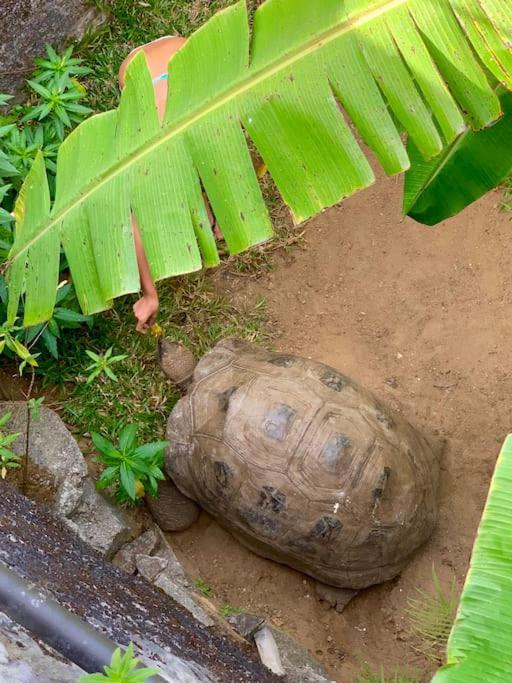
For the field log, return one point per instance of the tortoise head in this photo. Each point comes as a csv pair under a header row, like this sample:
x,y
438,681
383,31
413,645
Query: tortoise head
x,y
177,362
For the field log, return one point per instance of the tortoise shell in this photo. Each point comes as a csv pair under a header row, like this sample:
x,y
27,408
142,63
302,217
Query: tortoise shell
x,y
302,465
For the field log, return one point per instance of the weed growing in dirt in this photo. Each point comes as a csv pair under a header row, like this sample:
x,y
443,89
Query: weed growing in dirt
x,y
506,202
131,469
8,459
102,364
226,610
123,669
203,587
367,676
431,616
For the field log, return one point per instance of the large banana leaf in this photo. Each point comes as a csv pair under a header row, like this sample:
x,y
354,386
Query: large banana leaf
x,y
480,645
467,169
417,62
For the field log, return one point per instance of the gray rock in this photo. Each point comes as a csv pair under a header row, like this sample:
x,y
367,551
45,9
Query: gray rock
x,y
53,448
24,660
145,544
29,24
300,667
98,522
150,567
182,596
246,624
56,472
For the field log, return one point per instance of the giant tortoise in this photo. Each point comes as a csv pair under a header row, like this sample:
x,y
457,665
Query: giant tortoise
x,y
300,463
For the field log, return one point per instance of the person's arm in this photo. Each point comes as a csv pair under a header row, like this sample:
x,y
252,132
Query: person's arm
x,y
146,308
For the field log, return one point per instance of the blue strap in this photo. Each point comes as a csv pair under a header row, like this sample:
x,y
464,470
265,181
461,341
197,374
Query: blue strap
x,y
162,77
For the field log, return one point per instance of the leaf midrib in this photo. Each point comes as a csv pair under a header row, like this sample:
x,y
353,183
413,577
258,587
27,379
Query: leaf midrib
x,y
251,81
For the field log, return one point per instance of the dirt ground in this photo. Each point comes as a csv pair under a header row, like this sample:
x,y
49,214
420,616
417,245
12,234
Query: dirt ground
x,y
421,317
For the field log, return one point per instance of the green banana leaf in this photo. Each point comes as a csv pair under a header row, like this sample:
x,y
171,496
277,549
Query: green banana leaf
x,y
418,62
466,170
480,644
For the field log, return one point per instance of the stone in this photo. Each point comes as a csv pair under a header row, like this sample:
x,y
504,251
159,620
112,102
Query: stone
x,y
28,25
99,523
246,624
298,664
150,567
24,660
53,448
183,597
125,558
268,650
54,471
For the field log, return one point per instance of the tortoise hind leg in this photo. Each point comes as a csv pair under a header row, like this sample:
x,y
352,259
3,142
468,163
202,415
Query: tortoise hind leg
x,y
171,510
334,597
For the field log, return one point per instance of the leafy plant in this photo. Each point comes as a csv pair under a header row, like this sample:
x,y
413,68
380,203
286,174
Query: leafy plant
x,y
279,85
203,587
102,364
480,643
131,469
432,615
8,458
467,169
23,342
34,407
226,610
123,669
38,127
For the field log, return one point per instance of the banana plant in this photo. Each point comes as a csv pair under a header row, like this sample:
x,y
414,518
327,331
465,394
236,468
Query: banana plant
x,y
480,644
466,170
416,65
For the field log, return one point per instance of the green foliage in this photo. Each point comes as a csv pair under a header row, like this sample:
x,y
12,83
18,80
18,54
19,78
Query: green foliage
x,y
367,676
123,669
8,459
126,154
226,610
131,469
203,587
34,407
102,364
23,342
54,106
431,616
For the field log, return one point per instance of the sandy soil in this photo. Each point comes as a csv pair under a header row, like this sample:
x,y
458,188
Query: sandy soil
x,y
421,318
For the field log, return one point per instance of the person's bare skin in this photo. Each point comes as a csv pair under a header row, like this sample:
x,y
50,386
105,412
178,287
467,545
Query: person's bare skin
x,y
158,54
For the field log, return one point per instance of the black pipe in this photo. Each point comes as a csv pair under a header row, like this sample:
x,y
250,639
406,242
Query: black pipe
x,y
73,638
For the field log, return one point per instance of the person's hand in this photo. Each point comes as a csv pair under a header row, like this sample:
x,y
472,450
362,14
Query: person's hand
x,y
146,310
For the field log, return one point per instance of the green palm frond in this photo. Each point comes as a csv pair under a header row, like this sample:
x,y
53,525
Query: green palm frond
x,y
480,644
391,64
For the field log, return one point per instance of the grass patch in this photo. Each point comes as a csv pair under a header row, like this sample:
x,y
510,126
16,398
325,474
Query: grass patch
x,y
204,588
191,312
506,202
367,676
431,615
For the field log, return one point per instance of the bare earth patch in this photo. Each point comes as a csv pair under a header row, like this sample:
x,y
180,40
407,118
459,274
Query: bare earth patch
x,y
421,317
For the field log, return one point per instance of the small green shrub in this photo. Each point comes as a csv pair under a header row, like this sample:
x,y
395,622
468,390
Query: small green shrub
x,y
8,459
131,469
226,610
102,364
54,106
122,669
203,587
